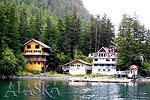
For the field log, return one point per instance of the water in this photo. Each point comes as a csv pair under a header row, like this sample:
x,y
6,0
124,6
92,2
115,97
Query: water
x,y
48,89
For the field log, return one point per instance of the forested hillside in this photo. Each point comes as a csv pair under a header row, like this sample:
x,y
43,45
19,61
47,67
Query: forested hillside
x,y
70,32
55,8
63,25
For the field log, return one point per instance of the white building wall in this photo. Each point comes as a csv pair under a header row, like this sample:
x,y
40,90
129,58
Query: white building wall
x,y
104,65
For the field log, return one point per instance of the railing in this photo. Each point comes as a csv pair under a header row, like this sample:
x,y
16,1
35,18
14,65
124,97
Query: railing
x,y
65,68
35,53
40,59
121,72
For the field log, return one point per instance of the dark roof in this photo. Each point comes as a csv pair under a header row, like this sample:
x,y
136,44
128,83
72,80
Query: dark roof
x,y
44,45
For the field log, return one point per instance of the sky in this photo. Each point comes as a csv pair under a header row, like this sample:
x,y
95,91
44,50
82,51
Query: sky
x,y
115,9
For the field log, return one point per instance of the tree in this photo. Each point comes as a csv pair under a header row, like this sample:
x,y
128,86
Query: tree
x,y
8,63
128,47
10,60
50,33
24,27
62,42
38,25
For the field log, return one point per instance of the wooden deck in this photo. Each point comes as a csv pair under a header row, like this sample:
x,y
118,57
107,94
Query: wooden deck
x,y
101,79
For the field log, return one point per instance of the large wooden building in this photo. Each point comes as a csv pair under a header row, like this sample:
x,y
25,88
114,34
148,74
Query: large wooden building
x,y
36,54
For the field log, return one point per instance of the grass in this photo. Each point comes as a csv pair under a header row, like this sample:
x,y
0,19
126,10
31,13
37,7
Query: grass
x,y
28,72
54,73
98,75
77,75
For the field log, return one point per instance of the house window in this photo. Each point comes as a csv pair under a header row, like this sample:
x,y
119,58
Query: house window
x,y
72,65
107,59
28,58
99,69
95,59
101,64
37,46
30,62
108,69
39,63
104,55
113,59
28,46
78,65
37,58
96,64
34,63
103,69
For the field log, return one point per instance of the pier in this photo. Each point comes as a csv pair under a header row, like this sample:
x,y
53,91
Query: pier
x,y
100,79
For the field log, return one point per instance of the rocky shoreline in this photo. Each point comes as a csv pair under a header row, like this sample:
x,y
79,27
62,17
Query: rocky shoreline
x,y
44,76
59,77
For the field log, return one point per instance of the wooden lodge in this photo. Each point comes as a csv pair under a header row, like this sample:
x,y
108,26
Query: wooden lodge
x,y
36,54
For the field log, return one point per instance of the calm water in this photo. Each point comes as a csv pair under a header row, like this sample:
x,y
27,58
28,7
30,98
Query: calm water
x,y
37,89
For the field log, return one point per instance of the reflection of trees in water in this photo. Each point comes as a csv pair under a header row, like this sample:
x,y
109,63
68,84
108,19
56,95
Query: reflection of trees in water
x,y
134,91
80,90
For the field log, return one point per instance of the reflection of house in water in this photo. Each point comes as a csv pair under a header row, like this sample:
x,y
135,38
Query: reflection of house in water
x,y
28,86
77,67
77,83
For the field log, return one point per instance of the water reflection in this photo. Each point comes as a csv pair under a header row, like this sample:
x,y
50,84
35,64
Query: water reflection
x,y
47,89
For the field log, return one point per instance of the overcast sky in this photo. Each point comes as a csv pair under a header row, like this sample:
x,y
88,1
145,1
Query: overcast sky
x,y
116,8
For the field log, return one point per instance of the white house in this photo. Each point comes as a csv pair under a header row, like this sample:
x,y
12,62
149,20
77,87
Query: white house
x,y
77,67
104,61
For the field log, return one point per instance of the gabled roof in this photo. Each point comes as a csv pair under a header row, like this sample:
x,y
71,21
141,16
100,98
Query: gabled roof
x,y
77,60
133,67
44,45
104,48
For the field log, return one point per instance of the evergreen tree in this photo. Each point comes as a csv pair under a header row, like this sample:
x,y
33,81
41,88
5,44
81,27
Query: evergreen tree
x,y
38,25
50,33
8,63
62,42
24,27
128,47
10,60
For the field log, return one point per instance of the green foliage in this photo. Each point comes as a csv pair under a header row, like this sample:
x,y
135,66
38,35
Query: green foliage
x,y
33,71
11,60
129,43
144,69
80,55
97,75
101,33
8,63
51,72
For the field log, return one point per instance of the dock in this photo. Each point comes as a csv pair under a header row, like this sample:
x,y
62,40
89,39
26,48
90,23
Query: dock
x,y
101,79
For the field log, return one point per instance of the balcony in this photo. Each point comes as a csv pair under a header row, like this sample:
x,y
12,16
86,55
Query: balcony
x,y
65,68
35,53
35,59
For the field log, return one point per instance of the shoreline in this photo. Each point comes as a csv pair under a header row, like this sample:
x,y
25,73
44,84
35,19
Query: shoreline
x,y
66,77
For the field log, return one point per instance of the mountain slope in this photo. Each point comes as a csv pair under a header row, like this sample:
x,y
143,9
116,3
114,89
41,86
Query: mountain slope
x,y
56,8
